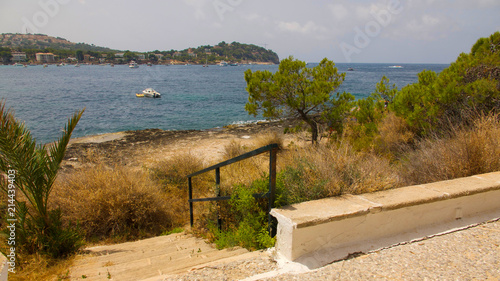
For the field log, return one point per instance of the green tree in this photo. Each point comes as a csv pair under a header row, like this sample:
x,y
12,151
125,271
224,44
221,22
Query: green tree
x,y
5,54
468,86
128,56
79,55
152,57
293,91
35,168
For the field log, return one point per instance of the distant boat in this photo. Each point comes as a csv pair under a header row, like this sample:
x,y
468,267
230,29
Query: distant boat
x,y
148,93
18,64
350,69
223,63
395,66
77,65
234,64
133,64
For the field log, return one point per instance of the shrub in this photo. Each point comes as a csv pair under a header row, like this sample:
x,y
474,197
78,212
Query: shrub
x,y
117,203
233,149
393,137
270,138
173,171
245,219
472,82
315,173
465,152
34,168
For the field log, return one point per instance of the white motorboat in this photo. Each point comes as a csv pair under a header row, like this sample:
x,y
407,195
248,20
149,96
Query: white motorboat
x,y
223,63
133,64
148,93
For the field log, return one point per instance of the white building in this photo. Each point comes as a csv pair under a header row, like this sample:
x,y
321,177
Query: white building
x,y
45,57
18,56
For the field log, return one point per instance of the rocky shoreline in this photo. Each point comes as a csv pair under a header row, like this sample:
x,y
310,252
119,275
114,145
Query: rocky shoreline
x,y
137,147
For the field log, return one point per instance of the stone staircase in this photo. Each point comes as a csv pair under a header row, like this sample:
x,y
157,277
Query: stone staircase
x,y
150,259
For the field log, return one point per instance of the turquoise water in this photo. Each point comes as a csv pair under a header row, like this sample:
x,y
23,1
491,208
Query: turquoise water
x,y
193,97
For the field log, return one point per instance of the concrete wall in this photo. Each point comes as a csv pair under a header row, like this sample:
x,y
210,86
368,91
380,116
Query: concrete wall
x,y
319,232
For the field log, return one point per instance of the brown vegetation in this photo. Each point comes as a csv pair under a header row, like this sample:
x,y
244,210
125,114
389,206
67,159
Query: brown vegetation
x,y
115,203
465,152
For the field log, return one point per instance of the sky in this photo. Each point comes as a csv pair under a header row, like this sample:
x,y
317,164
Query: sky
x,y
363,31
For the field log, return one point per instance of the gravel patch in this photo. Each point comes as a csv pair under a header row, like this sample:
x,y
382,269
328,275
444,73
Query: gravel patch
x,y
468,254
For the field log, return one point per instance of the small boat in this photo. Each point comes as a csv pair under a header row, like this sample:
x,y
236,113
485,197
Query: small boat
x,y
223,63
18,64
133,64
234,64
350,69
395,66
148,93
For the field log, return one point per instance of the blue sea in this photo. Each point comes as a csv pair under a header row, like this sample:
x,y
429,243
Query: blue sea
x,y
193,97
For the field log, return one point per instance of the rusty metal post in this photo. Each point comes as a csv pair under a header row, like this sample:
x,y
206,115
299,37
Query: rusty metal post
x,y
217,191
191,219
272,188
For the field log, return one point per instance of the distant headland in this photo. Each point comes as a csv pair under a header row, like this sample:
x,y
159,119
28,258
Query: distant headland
x,y
22,48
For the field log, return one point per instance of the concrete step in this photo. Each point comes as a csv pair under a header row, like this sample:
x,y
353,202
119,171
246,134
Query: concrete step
x,y
144,259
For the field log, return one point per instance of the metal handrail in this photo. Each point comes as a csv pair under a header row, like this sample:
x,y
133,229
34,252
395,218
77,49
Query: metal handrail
x,y
272,148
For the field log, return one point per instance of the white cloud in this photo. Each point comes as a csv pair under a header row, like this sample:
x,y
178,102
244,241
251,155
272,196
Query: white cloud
x,y
309,28
339,12
254,17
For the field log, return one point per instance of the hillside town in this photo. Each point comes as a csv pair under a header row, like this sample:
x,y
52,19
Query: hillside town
x,y
42,49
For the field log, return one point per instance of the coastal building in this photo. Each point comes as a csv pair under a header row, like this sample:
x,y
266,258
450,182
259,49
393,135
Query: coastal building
x,y
119,55
45,57
88,58
18,56
191,53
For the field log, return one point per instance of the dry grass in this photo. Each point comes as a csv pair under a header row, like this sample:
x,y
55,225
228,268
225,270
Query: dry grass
x,y
270,138
115,203
466,152
326,171
36,268
173,171
394,136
